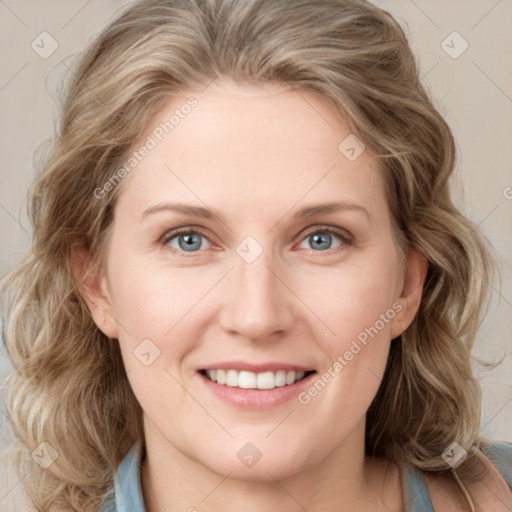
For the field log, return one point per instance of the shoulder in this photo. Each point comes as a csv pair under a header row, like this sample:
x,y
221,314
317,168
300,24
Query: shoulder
x,y
486,479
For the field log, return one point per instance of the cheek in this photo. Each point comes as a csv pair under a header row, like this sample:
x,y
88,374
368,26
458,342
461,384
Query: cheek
x,y
160,304
349,301
152,305
353,313
151,299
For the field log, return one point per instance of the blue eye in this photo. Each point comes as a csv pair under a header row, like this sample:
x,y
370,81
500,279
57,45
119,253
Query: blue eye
x,y
321,239
191,240
188,241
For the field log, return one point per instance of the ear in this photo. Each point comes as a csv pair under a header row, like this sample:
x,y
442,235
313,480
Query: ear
x,y
94,290
412,290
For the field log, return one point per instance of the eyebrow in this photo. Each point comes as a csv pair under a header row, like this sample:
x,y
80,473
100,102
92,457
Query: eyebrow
x,y
209,213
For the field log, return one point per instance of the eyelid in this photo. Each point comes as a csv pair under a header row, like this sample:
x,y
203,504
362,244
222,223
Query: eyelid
x,y
346,240
171,233
340,232
343,234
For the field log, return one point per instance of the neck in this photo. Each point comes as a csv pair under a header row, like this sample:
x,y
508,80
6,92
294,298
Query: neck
x,y
345,480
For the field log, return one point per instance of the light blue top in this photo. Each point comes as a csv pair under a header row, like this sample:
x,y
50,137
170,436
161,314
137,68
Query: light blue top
x,y
126,495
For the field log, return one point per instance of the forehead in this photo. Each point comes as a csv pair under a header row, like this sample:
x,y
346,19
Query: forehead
x,y
250,147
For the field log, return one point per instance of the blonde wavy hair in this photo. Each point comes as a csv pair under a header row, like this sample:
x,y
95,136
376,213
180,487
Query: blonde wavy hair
x,y
69,386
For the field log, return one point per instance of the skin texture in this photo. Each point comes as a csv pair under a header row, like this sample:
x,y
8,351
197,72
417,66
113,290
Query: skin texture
x,y
256,155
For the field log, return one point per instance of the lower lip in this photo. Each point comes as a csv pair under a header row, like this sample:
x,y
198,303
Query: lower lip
x,y
256,399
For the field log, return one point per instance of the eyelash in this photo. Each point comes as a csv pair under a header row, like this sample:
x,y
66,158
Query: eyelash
x,y
345,238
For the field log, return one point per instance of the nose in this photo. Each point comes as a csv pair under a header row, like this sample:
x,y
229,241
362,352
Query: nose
x,y
258,302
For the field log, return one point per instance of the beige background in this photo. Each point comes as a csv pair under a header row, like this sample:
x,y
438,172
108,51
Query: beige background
x,y
473,92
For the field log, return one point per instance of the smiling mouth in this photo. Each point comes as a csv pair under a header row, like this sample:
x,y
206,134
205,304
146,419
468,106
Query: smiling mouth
x,y
252,380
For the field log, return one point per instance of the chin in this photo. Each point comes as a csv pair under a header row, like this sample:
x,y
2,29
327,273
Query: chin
x,y
245,462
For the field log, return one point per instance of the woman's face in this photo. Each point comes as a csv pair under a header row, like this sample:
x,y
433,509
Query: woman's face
x,y
224,256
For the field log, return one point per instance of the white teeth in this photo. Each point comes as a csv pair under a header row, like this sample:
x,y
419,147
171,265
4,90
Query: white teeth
x,y
247,380
232,378
251,380
280,378
221,377
266,380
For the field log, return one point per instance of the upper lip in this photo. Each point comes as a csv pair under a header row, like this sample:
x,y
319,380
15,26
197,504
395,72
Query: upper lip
x,y
271,366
